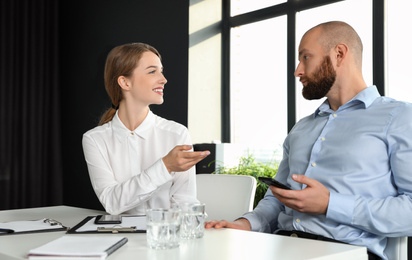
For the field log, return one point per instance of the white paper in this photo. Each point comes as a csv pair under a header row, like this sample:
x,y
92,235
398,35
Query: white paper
x,y
29,225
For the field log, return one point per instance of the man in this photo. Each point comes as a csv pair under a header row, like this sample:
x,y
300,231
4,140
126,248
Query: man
x,y
349,164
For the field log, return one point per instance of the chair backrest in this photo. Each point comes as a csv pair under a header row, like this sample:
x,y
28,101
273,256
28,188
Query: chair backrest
x,y
397,248
226,196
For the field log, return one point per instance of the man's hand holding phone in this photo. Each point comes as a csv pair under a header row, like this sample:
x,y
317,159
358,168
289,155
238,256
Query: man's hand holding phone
x,y
313,199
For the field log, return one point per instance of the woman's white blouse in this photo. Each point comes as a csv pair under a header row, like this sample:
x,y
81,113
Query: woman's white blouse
x,y
126,167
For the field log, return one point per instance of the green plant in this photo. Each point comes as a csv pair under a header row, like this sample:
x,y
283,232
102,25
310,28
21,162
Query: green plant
x,y
249,166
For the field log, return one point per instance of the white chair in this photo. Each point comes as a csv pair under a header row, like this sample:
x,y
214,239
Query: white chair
x,y
226,196
397,248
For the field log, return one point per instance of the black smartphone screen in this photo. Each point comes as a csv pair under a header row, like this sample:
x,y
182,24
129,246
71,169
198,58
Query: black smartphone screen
x,y
270,181
108,219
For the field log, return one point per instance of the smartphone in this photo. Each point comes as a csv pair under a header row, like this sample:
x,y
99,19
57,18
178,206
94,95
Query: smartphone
x,y
108,219
270,181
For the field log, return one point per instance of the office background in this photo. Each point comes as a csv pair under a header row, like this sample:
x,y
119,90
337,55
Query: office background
x,y
52,56
52,89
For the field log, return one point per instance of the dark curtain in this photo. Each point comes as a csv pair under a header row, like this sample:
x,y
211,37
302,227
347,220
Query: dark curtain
x,y
30,153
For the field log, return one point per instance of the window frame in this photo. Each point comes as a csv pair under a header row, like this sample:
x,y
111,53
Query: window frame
x,y
290,8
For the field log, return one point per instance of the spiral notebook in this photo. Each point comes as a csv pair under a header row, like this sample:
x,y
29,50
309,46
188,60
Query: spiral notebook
x,y
78,247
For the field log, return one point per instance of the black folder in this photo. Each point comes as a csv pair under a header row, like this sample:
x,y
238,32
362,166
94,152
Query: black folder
x,y
130,224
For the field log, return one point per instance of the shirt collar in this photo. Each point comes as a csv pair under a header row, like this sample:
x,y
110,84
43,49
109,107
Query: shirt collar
x,y
143,130
365,97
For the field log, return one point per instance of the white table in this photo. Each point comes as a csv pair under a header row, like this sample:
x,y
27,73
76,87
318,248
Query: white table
x,y
224,244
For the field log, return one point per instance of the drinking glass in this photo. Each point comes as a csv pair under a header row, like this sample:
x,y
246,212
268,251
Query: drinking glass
x,y
163,228
193,220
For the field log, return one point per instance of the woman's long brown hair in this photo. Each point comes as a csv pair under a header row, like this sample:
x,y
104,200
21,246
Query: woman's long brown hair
x,y
121,61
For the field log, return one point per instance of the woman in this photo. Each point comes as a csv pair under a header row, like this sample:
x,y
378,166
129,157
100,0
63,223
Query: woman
x,y
136,159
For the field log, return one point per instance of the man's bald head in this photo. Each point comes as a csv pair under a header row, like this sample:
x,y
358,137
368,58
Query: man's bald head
x,y
336,32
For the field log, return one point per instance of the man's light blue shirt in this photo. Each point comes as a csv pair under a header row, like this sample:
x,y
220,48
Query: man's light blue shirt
x,y
363,154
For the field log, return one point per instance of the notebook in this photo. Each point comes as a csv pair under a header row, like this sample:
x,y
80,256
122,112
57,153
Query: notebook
x,y
78,247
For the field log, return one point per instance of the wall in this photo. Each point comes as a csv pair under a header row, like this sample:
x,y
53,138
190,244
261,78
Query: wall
x,y
88,31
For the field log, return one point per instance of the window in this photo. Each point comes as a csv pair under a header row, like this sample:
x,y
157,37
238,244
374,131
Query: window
x,y
263,32
398,66
258,84
265,99
244,6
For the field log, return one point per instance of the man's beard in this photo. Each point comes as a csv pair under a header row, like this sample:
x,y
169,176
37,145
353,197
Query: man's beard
x,y
320,82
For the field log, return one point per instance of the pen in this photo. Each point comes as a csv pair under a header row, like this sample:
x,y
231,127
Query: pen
x,y
6,230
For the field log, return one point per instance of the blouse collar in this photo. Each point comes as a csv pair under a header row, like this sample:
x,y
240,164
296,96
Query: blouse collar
x,y
143,130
